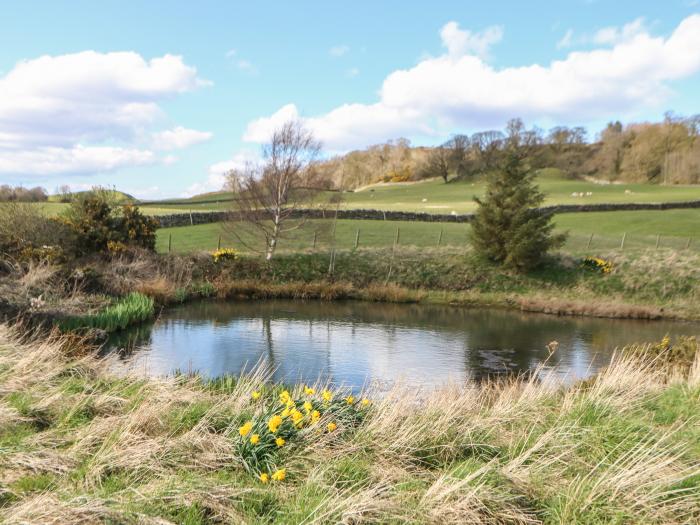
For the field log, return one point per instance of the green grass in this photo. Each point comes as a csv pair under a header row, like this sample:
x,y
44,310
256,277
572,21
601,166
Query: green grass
x,y
458,196
620,448
134,308
641,227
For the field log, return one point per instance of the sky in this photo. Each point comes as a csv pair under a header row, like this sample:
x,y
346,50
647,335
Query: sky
x,y
159,99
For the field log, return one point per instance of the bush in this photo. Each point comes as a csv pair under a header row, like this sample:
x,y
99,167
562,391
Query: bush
x,y
27,234
99,226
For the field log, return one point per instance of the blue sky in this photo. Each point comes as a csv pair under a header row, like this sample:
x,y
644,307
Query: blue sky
x,y
159,98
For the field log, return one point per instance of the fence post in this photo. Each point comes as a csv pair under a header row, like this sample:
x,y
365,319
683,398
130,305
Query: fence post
x,y
384,213
396,239
170,241
590,240
357,238
191,219
218,244
687,244
314,243
658,239
440,238
622,243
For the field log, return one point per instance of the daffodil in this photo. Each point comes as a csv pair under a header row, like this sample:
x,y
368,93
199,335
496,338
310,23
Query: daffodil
x,y
365,402
308,407
264,477
315,416
255,439
245,429
274,423
285,396
309,391
280,474
296,415
327,396
350,400
285,412
280,442
331,426
256,395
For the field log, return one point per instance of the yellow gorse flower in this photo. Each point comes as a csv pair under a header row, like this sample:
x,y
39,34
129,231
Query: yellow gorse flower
x,y
256,395
280,474
264,477
331,426
255,439
245,429
280,442
274,423
327,396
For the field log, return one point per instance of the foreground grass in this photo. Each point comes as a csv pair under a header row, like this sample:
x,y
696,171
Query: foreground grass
x,y
78,445
675,227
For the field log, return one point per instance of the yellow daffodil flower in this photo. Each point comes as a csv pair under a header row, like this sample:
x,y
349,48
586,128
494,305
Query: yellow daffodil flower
x,y
255,439
280,474
280,442
365,402
245,429
308,407
331,426
315,416
309,391
350,400
264,477
256,395
327,396
274,423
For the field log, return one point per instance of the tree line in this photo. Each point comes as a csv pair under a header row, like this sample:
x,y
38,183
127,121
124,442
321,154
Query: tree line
x,y
22,194
658,152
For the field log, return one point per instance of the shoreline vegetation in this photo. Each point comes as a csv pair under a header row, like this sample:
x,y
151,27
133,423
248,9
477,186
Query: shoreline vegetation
x,y
81,445
111,292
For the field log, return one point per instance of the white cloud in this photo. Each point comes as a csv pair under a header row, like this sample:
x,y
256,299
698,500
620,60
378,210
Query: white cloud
x,y
85,112
463,42
246,66
179,138
453,90
615,35
566,40
339,51
352,72
216,178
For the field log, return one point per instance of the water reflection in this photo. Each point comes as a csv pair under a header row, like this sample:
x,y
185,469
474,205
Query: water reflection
x,y
352,342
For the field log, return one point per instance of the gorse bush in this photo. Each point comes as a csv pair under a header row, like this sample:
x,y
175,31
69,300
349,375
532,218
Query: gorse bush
x,y
26,233
100,226
134,308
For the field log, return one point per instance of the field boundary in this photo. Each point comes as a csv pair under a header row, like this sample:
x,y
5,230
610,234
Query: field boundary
x,y
206,217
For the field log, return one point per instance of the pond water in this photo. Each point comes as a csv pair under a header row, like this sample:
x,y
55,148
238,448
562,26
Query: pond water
x,y
352,343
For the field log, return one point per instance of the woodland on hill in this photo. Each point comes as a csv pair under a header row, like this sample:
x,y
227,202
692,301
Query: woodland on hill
x,y
665,152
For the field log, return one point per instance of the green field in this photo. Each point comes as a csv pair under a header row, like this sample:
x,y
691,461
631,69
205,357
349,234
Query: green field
x,y
459,196
642,227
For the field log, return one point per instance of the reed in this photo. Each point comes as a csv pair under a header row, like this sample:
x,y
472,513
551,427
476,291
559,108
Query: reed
x,y
132,309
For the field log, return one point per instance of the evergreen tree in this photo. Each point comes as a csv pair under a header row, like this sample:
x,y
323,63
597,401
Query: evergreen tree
x,y
508,228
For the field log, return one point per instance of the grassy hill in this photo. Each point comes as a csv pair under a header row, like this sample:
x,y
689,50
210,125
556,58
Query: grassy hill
x,y
117,196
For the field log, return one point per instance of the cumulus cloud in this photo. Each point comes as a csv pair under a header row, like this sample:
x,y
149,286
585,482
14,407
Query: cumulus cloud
x,y
463,42
179,138
58,112
566,40
216,178
460,89
614,35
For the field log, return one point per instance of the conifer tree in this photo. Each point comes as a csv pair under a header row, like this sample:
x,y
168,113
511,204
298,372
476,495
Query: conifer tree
x,y
507,228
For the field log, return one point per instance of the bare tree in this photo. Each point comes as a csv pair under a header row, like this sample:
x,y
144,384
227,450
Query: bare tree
x,y
268,195
438,163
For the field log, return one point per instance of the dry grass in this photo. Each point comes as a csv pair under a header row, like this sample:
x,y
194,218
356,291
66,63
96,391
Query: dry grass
x,y
78,445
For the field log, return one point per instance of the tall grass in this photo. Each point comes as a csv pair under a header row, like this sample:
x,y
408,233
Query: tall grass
x,y
79,445
134,308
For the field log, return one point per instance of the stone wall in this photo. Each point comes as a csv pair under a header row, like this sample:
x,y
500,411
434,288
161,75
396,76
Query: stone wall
x,y
188,219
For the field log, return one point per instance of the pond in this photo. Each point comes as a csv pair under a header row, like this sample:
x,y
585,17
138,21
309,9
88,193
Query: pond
x,y
352,343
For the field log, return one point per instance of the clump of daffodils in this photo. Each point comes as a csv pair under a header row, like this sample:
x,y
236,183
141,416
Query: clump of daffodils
x,y
283,419
597,264
224,254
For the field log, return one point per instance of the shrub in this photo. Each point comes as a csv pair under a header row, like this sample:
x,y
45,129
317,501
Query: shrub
x,y
597,264
26,233
101,227
224,254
